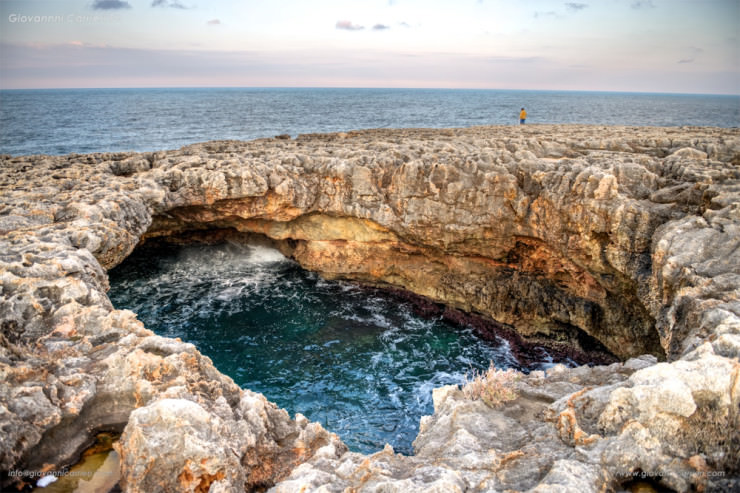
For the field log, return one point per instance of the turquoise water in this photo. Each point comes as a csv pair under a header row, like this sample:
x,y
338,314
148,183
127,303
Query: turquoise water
x,y
62,121
355,359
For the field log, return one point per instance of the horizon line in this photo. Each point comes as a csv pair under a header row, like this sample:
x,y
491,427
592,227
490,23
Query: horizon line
x,y
371,88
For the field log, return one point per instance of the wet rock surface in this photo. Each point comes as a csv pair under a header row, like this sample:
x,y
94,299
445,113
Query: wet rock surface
x,y
625,238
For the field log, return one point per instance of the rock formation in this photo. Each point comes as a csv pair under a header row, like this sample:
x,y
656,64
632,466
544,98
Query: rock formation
x,y
625,240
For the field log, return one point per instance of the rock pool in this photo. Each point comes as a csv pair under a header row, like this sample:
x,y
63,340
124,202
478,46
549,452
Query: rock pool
x,y
355,359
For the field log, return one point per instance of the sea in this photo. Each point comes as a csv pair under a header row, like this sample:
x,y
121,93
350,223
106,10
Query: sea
x,y
358,360
63,121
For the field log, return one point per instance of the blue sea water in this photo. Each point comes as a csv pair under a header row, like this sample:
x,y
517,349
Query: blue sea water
x,y
104,120
355,359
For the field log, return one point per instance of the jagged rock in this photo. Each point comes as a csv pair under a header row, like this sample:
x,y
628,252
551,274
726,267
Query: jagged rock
x,y
605,239
236,448
485,449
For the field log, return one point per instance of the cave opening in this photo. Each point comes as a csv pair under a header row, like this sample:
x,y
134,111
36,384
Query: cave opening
x,y
361,360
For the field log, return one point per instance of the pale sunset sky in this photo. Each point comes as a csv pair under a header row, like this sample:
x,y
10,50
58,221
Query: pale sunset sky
x,y
685,46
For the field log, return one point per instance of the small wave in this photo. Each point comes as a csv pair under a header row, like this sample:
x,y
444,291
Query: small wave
x,y
229,293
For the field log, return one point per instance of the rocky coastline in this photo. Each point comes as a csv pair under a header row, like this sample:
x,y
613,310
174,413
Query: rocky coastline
x,y
621,239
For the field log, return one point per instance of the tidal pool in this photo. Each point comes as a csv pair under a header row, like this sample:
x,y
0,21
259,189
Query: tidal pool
x,y
355,359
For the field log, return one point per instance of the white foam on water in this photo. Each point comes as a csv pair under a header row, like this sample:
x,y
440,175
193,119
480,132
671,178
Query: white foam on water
x,y
217,280
375,359
230,293
423,390
395,398
265,255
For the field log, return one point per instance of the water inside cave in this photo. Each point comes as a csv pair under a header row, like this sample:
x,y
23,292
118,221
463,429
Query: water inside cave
x,y
356,359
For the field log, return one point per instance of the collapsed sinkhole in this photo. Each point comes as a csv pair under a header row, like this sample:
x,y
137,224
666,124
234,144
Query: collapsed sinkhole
x,y
361,360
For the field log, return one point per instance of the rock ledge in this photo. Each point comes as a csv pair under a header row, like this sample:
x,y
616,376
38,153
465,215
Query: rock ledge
x,y
622,239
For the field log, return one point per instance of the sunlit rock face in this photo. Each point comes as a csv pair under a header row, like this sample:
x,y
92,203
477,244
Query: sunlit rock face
x,y
550,231
630,236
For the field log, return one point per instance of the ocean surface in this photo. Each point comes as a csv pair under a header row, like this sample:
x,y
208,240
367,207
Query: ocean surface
x,y
355,359
105,120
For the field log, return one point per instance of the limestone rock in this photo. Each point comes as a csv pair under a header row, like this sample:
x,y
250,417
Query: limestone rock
x,y
180,440
598,239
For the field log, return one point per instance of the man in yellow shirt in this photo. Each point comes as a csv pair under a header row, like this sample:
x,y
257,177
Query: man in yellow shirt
x,y
522,116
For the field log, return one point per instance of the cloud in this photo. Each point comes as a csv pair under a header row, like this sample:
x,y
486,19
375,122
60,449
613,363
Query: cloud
x,y
57,66
380,27
550,13
642,4
516,60
110,5
693,53
173,4
404,24
348,26
214,22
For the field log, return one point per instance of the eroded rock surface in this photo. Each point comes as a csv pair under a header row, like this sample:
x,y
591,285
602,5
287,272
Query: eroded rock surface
x,y
615,238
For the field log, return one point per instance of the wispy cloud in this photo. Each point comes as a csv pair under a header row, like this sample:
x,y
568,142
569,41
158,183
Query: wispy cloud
x,y
187,68
380,27
693,53
642,4
516,60
553,14
110,5
173,4
214,22
71,65
349,26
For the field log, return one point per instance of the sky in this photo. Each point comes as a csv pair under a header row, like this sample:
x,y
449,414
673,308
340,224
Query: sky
x,y
674,46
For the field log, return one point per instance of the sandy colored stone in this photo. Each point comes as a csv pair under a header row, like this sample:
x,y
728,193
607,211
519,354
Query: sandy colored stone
x,y
623,238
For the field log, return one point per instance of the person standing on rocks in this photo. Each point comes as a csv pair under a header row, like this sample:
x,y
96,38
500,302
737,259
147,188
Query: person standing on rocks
x,y
522,116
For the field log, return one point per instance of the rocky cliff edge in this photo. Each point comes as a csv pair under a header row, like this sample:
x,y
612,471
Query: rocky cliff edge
x,y
624,241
